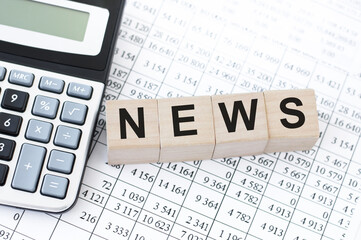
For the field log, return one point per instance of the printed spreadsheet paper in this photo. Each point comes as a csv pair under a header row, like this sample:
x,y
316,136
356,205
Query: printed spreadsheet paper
x,y
174,48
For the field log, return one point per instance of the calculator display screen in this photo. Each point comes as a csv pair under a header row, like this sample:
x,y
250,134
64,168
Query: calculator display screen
x,y
54,25
44,18
70,37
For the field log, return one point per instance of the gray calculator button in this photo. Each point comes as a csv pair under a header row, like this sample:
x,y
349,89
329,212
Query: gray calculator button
x,y
21,78
45,107
38,131
27,171
80,90
67,137
61,161
74,113
2,73
54,186
51,84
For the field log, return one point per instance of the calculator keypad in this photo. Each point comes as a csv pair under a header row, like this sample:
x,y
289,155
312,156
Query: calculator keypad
x,y
80,90
15,100
27,171
74,113
4,169
54,186
2,73
60,161
45,107
10,124
67,137
6,149
46,122
51,84
38,131
21,78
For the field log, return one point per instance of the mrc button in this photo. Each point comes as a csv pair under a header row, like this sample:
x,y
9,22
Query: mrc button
x,y
21,78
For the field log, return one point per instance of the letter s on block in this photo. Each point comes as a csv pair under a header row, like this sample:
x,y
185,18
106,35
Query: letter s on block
x,y
290,111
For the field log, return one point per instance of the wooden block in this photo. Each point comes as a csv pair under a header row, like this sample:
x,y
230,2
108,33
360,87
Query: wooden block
x,y
292,120
186,129
240,124
132,131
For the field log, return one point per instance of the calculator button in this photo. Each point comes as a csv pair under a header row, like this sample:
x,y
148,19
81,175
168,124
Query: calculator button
x,y
67,137
2,73
45,107
39,131
61,161
10,124
21,78
3,174
6,149
80,90
27,171
51,84
15,100
54,186
74,113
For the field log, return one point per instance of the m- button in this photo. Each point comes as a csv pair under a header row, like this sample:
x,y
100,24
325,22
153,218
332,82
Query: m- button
x,y
51,84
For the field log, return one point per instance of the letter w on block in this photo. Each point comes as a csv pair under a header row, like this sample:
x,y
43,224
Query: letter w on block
x,y
246,132
132,131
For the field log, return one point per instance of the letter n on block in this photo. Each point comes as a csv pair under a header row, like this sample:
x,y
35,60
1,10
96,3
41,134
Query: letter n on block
x,y
292,120
186,129
240,124
132,131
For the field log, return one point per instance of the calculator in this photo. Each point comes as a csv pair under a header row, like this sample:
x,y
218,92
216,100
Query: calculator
x,y
55,57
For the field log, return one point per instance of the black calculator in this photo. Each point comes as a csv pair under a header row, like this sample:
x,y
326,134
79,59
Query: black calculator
x,y
55,57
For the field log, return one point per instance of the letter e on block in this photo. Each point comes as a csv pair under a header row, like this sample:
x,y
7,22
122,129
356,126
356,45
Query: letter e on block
x,y
292,120
186,129
240,124
132,131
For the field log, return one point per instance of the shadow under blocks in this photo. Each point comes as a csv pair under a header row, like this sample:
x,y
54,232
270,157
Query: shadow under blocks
x,y
205,127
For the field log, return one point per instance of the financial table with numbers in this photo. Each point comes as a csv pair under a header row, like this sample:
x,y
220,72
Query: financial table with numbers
x,y
175,48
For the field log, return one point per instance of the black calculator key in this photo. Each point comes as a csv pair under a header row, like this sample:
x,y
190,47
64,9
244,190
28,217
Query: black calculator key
x,y
6,149
15,100
3,174
10,124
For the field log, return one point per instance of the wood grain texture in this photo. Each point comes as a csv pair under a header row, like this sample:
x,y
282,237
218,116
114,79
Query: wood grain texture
x,y
133,149
239,141
189,147
293,138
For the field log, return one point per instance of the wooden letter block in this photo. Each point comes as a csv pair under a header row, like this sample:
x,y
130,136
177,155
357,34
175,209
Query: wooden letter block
x,y
292,120
132,131
186,129
240,124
